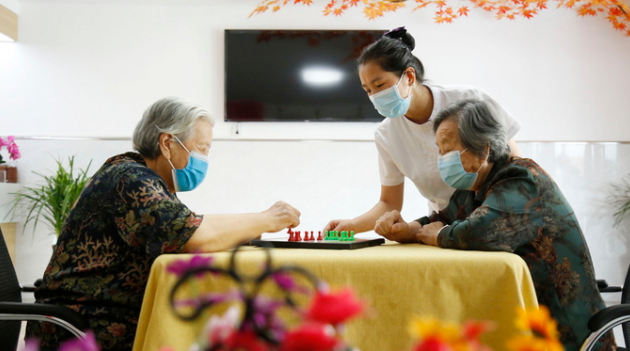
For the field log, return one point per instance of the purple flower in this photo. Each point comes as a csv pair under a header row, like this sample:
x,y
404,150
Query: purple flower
x,y
29,344
287,283
86,344
180,267
211,298
265,314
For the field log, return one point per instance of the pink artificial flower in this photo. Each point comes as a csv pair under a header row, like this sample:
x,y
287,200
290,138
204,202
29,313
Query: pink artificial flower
x,y
86,344
286,282
14,151
219,328
29,344
309,337
9,143
209,298
334,308
180,267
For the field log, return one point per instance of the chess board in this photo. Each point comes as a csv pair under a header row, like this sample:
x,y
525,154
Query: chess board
x,y
318,244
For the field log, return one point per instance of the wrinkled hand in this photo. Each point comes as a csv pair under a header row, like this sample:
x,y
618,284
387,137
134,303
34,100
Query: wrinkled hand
x,y
281,216
339,225
392,226
428,234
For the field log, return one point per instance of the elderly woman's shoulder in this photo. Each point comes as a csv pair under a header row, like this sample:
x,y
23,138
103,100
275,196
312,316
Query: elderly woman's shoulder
x,y
130,164
127,157
528,165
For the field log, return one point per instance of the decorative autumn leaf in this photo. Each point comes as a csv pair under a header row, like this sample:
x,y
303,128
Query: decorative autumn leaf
x,y
615,11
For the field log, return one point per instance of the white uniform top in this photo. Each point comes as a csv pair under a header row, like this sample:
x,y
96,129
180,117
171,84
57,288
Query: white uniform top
x,y
408,149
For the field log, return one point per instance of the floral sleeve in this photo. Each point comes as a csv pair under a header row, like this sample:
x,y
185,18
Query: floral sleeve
x,y
509,216
149,216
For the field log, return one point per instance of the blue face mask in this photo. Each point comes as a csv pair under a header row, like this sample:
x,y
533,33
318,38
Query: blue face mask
x,y
390,103
453,172
193,174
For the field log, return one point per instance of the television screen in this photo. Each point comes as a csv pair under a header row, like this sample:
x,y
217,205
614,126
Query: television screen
x,y
296,75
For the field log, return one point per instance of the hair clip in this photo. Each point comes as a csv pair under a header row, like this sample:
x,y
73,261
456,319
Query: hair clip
x,y
396,32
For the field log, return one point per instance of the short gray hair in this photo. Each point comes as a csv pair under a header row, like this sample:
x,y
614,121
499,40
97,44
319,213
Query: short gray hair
x,y
169,115
478,126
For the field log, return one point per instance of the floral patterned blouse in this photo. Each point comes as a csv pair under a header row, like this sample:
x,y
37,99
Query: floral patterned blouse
x,y
124,218
520,209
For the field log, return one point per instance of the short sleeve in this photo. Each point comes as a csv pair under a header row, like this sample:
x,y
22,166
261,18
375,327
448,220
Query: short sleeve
x,y
150,217
389,172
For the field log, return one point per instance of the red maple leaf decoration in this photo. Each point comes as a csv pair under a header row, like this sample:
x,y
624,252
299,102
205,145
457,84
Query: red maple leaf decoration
x,y
616,11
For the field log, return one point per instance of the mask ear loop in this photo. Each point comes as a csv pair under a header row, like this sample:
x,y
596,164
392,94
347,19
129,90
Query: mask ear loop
x,y
410,92
182,144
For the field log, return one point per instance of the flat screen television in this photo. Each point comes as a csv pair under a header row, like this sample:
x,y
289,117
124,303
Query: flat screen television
x,y
296,75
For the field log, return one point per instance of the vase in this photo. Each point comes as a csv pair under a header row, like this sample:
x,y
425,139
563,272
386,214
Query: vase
x,y
8,174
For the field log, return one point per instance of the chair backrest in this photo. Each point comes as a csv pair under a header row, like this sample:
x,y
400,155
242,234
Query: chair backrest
x,y
625,298
10,292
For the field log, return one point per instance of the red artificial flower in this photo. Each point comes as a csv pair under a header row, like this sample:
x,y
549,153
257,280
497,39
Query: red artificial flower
x,y
245,341
309,337
432,344
334,308
472,330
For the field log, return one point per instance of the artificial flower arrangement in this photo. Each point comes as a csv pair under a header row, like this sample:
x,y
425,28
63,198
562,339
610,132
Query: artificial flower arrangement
x,y
539,332
12,148
301,313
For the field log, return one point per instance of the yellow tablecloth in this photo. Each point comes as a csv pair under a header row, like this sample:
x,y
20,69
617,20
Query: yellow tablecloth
x,y
396,280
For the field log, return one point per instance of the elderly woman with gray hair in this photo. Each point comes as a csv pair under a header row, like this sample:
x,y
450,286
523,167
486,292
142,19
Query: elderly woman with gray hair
x,y
128,214
508,204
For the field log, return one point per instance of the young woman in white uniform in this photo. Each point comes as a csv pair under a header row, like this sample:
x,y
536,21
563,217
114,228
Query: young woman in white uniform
x,y
394,81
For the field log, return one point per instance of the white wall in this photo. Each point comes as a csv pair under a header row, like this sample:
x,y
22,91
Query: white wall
x,y
79,61
88,68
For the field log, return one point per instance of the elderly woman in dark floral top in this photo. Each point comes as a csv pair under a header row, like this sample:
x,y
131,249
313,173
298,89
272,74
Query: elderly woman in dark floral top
x,y
128,214
507,204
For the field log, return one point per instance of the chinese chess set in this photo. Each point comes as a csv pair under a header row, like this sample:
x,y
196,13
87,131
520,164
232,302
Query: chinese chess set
x,y
336,240
328,236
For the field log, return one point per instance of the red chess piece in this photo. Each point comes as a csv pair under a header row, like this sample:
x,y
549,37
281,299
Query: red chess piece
x,y
312,238
319,236
297,236
291,237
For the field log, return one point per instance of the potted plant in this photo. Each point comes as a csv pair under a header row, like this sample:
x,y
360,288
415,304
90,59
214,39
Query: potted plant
x,y
53,200
621,199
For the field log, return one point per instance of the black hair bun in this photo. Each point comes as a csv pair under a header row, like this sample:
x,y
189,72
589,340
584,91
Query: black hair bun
x,y
401,34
